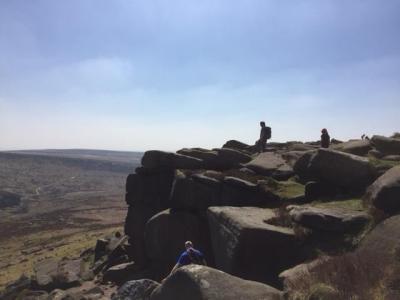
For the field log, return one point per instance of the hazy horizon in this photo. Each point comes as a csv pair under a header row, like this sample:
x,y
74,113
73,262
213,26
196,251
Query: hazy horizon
x,y
133,75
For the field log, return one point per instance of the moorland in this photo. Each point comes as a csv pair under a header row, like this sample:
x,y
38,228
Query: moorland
x,y
57,202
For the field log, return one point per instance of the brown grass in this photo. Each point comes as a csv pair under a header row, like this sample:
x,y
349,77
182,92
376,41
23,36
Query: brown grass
x,y
363,274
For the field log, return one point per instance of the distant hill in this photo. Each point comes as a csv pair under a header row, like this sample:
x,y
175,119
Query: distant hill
x,y
114,161
121,156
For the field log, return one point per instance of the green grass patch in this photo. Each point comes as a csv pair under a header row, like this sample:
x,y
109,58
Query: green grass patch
x,y
285,189
383,164
351,204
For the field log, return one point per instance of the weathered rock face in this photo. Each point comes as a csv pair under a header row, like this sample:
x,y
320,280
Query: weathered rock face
x,y
301,165
239,192
51,274
357,147
217,159
316,190
270,164
119,273
135,224
384,193
195,193
386,145
166,234
246,246
136,290
160,159
232,144
230,158
330,220
384,239
149,187
341,169
147,193
202,283
291,157
291,277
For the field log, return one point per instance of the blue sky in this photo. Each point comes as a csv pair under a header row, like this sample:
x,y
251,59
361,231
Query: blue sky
x,y
138,75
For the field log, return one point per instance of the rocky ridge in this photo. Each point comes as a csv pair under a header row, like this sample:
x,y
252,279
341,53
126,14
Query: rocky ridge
x,y
269,224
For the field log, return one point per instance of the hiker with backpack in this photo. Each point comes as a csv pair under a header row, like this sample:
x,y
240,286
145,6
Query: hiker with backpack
x,y
189,256
265,135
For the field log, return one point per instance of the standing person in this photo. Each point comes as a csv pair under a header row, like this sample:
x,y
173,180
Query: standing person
x,y
325,138
265,134
189,256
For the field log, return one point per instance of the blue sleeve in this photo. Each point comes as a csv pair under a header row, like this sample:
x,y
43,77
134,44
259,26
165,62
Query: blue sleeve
x,y
182,259
200,254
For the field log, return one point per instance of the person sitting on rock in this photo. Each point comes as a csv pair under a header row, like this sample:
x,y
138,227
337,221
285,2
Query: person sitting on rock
x,y
265,135
189,256
325,138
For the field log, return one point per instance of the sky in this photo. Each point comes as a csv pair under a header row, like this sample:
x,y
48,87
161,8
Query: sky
x,y
140,75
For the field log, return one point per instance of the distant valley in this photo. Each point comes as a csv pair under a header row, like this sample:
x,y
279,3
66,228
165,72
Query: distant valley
x,y
52,199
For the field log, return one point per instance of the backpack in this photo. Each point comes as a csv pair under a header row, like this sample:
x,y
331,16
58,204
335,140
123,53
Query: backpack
x,y
268,132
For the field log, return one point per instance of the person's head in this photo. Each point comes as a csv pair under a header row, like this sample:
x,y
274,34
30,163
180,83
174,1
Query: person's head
x,y
262,124
324,131
188,245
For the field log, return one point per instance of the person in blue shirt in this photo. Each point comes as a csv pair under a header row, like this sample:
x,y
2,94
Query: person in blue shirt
x,y
189,256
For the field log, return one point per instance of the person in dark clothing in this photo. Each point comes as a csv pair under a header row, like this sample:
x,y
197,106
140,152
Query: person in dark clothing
x,y
325,138
189,256
265,134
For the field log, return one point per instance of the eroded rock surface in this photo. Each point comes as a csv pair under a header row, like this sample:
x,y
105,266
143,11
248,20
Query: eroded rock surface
x,y
329,219
243,242
384,193
203,283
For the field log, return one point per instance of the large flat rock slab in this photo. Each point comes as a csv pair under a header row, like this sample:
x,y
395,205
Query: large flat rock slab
x,y
329,219
270,164
357,147
245,245
385,145
196,282
162,159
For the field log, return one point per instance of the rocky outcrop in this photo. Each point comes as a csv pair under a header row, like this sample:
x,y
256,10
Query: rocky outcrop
x,y
239,192
329,219
203,283
384,193
233,144
219,158
243,242
270,164
195,192
160,159
166,234
357,147
52,274
291,277
136,290
120,273
385,145
301,165
147,193
337,168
